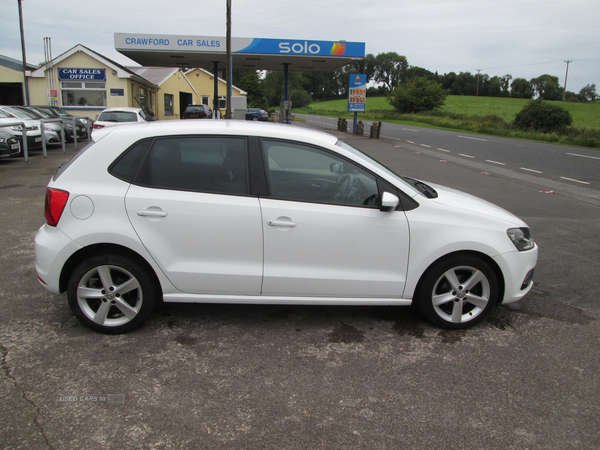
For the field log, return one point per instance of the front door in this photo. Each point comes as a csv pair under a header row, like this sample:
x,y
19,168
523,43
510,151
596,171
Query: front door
x,y
324,235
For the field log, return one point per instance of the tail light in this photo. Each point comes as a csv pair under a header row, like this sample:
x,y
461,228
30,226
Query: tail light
x,y
56,200
96,126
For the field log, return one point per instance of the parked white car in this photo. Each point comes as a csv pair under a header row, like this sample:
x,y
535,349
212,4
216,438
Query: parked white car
x,y
112,117
33,132
243,212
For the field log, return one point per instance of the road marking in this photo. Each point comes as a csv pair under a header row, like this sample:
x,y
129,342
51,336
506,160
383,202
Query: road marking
x,y
475,139
410,142
576,181
530,170
442,150
408,129
391,137
466,156
426,146
495,162
583,156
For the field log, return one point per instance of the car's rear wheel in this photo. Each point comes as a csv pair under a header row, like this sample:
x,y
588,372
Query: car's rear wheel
x,y
458,292
112,294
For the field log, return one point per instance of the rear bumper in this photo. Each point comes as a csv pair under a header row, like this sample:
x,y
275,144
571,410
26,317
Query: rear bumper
x,y
52,249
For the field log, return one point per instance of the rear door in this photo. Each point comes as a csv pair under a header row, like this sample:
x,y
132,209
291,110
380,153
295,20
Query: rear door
x,y
190,207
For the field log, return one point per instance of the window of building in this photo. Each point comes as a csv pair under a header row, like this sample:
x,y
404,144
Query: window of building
x,y
168,104
222,102
143,96
205,100
81,93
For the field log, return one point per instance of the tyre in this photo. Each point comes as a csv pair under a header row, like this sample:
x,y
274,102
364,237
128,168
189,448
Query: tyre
x,y
255,118
457,292
112,294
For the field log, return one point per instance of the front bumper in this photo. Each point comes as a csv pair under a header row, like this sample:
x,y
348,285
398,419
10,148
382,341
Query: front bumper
x,y
517,269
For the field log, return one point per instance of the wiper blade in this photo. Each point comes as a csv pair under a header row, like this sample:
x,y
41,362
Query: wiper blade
x,y
427,190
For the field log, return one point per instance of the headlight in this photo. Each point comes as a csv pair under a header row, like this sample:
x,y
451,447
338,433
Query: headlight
x,y
1,140
521,237
17,128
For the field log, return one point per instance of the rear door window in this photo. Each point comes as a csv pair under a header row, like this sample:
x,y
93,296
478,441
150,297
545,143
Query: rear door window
x,y
201,164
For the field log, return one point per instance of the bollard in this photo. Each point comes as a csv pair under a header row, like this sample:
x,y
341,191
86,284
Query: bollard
x,y
360,128
343,125
373,134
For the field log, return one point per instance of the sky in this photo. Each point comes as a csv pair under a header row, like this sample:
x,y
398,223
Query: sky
x,y
523,38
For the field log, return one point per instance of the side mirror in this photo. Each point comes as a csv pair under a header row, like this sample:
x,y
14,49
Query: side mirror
x,y
389,202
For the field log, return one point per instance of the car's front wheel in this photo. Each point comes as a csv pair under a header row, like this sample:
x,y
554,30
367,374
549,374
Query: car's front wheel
x,y
112,294
458,292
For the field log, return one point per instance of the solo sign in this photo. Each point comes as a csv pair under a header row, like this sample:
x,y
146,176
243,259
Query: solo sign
x,y
357,93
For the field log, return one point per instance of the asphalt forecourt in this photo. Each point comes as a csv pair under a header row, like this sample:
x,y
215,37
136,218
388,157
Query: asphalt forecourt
x,y
227,376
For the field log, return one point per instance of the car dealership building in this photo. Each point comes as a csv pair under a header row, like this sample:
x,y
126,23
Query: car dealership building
x,y
85,82
174,71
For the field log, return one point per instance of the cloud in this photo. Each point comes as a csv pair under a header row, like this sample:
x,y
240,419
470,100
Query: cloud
x,y
525,38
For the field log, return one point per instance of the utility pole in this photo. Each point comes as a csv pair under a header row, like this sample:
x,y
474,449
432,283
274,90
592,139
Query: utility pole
x,y
229,61
478,70
25,85
568,61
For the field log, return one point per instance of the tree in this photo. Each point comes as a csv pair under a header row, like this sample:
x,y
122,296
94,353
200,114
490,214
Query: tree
x,y
390,69
272,85
255,95
417,95
505,84
415,71
447,80
588,93
521,88
321,85
300,98
464,84
572,97
542,116
547,87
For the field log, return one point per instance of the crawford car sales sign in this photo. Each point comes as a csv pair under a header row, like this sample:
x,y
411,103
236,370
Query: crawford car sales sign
x,y
81,74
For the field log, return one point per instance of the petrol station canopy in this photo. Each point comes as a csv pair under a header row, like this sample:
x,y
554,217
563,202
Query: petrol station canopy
x,y
159,50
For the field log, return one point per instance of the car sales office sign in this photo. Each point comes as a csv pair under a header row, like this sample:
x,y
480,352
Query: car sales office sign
x,y
357,93
81,74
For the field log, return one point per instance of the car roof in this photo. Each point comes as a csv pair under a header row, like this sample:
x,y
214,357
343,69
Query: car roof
x,y
134,132
124,109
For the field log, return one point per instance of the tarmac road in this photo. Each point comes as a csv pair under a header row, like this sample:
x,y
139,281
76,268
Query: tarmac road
x,y
265,377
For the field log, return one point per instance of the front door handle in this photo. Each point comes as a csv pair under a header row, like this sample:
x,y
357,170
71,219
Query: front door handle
x,y
281,223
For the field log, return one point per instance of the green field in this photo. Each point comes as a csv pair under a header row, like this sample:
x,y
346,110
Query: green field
x,y
585,115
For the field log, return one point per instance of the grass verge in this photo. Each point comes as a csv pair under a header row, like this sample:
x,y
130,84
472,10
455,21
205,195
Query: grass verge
x,y
482,115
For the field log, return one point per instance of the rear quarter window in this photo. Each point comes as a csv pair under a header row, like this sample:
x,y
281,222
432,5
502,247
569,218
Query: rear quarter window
x,y
126,165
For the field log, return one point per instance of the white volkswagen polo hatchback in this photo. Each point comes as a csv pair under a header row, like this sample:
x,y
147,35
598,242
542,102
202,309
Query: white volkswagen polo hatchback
x,y
238,212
